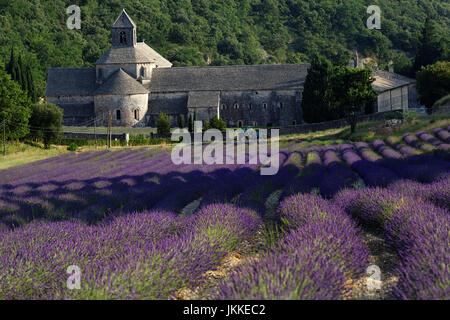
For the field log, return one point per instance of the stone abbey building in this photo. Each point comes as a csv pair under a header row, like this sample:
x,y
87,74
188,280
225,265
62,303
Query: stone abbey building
x,y
134,83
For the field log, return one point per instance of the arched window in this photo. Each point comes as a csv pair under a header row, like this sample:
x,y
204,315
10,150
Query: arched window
x,y
136,114
236,105
224,106
143,72
240,124
294,123
118,115
123,37
265,105
250,106
281,105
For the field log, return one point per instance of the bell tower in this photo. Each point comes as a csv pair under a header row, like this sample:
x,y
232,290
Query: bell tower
x,y
123,31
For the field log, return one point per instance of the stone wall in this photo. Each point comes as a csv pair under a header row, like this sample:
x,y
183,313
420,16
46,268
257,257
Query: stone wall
x,y
126,104
261,108
77,110
172,104
203,113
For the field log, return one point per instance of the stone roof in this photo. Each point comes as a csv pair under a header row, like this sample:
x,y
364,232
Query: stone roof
x,y
385,80
70,81
160,61
168,105
229,78
140,53
121,55
120,83
203,99
124,21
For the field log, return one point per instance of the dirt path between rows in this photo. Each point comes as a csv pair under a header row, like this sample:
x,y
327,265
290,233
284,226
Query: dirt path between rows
x,y
383,256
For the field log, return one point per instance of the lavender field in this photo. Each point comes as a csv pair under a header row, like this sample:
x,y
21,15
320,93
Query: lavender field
x,y
140,227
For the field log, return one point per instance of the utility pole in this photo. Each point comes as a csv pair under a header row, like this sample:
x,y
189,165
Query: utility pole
x,y
109,127
4,137
95,134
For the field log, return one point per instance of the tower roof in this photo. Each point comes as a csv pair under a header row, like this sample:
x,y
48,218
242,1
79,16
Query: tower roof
x,y
120,83
124,21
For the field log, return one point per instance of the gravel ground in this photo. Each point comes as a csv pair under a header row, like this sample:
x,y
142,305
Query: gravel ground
x,y
383,256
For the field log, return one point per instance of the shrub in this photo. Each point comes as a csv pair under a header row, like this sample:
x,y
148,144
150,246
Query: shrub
x,y
72,147
206,125
410,116
163,123
394,115
217,123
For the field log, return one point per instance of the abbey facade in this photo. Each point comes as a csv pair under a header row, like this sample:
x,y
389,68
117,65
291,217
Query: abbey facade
x,y
132,83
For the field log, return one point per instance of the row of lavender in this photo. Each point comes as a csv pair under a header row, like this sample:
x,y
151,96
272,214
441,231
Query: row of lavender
x,y
323,249
92,186
252,190
138,256
416,223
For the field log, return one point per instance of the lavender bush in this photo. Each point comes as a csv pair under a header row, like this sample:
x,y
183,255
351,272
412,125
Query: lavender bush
x,y
416,229
141,256
313,261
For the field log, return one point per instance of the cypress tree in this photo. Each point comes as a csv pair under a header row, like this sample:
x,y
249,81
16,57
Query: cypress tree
x,y
428,49
30,84
316,99
191,124
180,122
12,60
22,80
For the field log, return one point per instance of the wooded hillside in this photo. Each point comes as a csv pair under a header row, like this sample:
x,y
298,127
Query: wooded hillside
x,y
217,32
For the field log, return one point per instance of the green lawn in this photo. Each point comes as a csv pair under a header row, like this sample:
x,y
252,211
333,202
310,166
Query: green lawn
x,y
18,153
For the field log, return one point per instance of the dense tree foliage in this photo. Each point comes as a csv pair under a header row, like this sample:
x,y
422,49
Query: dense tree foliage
x,y
46,122
336,92
317,96
352,91
433,83
429,49
14,107
21,73
217,32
